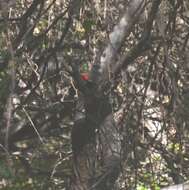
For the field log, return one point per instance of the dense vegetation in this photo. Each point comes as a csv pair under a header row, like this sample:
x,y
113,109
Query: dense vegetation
x,y
94,94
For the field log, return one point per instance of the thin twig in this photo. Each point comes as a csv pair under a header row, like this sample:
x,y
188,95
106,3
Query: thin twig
x,y
33,125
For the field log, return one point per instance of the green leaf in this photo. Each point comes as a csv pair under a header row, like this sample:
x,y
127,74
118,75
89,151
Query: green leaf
x,y
88,24
5,170
141,187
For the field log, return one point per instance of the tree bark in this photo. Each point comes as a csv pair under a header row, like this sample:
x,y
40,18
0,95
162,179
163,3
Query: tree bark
x,y
97,163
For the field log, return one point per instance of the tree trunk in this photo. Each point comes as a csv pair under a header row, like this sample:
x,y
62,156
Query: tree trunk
x,y
97,160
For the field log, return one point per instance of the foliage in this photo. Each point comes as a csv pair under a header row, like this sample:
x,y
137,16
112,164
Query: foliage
x,y
43,45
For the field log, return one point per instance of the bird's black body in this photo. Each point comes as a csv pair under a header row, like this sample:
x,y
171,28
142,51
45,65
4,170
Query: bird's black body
x,y
82,134
96,106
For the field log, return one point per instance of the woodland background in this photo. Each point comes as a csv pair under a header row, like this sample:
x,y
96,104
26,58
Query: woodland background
x,y
94,94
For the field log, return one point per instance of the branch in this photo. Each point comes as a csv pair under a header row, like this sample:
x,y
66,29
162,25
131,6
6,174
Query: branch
x,y
117,37
142,45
